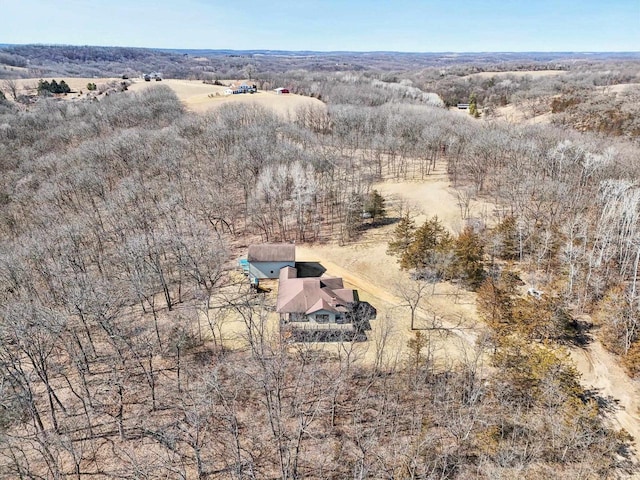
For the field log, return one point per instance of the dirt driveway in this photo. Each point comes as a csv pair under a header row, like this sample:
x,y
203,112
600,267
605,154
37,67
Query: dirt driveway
x,y
366,267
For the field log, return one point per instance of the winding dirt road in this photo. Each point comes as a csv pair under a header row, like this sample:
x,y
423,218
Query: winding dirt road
x,y
367,268
601,371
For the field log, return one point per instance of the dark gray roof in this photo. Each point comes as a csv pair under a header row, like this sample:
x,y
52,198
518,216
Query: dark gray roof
x,y
272,252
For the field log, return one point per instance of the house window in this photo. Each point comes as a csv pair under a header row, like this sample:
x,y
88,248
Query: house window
x,y
298,317
322,318
340,318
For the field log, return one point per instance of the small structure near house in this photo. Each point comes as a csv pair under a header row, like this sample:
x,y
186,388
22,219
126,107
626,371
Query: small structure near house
x,y
266,260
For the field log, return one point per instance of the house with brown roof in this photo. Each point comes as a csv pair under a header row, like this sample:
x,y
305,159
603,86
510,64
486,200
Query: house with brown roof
x,y
266,260
308,300
313,299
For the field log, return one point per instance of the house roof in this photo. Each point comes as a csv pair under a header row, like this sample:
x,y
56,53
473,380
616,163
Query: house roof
x,y
309,295
272,252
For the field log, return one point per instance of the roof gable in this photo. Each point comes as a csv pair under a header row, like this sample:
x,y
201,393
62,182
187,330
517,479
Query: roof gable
x,y
320,305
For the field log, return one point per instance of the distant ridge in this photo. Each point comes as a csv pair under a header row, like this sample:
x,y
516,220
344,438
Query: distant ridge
x,y
227,51
99,61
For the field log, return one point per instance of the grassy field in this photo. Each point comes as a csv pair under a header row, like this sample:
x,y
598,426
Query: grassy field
x,y
196,96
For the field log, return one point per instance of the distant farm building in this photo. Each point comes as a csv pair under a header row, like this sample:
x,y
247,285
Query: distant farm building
x,y
463,106
266,260
239,89
280,91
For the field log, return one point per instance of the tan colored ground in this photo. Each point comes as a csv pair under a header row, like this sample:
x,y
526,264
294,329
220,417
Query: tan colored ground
x,y
378,280
601,370
366,267
619,87
518,114
434,196
200,97
510,114
77,84
196,96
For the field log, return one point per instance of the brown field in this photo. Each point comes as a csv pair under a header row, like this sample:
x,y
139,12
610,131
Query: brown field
x,y
77,84
200,97
517,114
196,96
510,114
620,88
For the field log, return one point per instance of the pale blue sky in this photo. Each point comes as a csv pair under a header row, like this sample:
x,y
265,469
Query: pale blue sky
x,y
401,25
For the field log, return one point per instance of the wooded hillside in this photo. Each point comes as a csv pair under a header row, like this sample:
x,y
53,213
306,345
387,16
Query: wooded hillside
x,y
121,220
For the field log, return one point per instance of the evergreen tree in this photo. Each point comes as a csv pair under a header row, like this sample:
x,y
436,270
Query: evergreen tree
x,y
506,239
468,259
429,240
473,106
375,205
403,236
44,88
63,87
495,302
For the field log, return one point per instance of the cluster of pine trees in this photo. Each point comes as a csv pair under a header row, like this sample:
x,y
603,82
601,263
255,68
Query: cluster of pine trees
x,y
430,251
53,87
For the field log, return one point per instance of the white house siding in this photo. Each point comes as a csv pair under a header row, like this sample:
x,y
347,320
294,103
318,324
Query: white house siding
x,y
268,269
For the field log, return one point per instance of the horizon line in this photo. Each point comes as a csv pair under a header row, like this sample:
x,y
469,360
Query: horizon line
x,y
272,50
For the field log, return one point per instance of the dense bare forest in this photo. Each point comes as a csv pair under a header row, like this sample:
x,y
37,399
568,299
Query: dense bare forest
x,y
121,220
